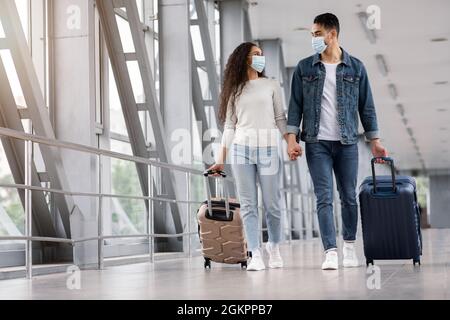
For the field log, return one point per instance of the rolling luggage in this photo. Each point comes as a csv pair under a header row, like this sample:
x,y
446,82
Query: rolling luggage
x,y
221,229
390,217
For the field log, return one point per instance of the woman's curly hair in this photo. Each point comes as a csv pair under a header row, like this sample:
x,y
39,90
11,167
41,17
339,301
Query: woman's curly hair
x,y
235,78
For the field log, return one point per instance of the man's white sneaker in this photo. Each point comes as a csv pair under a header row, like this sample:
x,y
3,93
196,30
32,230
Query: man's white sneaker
x,y
331,261
350,258
256,262
275,260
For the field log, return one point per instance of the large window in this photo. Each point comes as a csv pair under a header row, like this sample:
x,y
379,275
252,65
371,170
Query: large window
x,y
128,216
123,216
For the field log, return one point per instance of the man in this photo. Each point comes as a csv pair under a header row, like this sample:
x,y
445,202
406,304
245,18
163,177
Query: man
x,y
329,90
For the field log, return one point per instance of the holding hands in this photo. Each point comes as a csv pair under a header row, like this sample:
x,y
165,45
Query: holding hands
x,y
294,149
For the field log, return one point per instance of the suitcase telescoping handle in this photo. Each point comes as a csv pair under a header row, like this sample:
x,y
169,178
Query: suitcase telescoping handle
x,y
390,161
223,175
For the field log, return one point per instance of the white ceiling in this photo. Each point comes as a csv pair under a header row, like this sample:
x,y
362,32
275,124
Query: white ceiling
x,y
413,60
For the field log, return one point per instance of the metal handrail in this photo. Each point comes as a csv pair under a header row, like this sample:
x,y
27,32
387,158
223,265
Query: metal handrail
x,y
28,139
100,152
73,242
37,239
93,194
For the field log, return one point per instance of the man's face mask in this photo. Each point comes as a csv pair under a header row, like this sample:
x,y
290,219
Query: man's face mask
x,y
319,45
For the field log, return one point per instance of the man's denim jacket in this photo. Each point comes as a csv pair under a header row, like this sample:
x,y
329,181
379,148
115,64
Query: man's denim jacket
x,y
354,97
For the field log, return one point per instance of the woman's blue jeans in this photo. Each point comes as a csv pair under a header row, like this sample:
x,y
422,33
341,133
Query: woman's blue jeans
x,y
262,163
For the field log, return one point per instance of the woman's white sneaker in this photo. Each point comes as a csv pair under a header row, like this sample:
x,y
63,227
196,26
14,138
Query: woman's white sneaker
x,y
331,261
256,262
350,258
275,260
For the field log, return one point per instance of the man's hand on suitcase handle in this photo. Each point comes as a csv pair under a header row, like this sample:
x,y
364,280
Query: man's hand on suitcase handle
x,y
378,151
382,160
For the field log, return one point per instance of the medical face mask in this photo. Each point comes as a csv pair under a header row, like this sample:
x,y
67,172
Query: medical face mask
x,y
258,63
319,45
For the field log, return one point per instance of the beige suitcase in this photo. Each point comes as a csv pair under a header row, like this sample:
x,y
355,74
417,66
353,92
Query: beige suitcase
x,y
221,229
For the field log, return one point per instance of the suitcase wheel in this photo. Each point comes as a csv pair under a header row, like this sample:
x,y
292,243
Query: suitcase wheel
x,y
244,265
369,261
416,261
207,263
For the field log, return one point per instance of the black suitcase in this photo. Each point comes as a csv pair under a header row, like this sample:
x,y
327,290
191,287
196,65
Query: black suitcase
x,y
390,217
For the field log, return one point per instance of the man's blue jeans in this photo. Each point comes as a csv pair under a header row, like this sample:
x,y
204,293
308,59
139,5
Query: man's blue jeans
x,y
323,158
250,164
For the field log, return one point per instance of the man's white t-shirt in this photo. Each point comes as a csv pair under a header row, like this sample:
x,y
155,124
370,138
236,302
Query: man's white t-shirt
x,y
329,125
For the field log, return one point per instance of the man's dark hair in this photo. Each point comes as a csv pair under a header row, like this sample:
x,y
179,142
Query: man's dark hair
x,y
328,21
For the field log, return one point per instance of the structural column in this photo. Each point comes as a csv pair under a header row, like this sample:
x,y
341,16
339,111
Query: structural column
x,y
176,89
234,26
234,30
272,50
274,67
73,110
439,201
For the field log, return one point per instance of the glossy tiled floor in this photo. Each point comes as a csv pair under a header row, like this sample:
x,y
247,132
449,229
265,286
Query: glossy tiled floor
x,y
300,279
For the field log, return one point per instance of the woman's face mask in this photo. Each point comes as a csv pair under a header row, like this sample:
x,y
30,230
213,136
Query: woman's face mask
x,y
258,63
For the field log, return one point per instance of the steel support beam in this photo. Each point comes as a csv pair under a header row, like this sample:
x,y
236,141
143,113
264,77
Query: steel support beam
x,y
106,9
210,61
36,105
208,65
15,154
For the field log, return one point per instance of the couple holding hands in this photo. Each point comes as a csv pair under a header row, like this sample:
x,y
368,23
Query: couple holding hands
x,y
330,93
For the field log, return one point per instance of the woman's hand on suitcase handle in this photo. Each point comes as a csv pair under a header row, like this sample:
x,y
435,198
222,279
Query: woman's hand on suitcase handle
x,y
216,168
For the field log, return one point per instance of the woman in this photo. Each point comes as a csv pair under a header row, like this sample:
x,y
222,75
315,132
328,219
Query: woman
x,y
251,109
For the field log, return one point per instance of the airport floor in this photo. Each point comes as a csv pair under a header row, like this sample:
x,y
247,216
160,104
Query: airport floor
x,y
302,278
